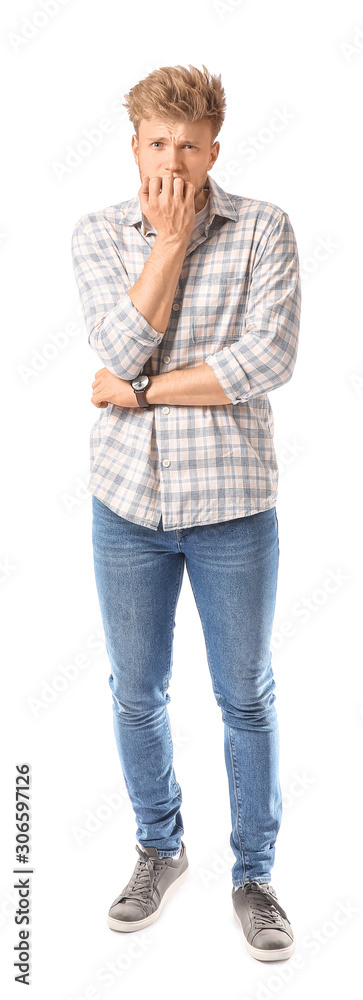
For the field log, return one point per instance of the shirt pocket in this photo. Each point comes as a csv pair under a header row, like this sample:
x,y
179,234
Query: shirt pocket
x,y
218,311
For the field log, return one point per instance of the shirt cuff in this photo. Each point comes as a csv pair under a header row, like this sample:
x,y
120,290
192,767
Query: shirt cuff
x,y
228,372
136,324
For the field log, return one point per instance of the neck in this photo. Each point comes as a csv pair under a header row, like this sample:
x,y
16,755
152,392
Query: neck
x,y
202,199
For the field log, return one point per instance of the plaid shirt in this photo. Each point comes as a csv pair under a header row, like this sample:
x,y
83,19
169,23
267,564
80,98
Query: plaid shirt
x,y
237,307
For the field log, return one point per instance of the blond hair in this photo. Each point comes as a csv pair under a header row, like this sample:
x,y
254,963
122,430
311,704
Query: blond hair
x,y
180,94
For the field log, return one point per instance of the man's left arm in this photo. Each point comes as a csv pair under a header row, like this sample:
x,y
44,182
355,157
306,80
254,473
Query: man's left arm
x,y
264,356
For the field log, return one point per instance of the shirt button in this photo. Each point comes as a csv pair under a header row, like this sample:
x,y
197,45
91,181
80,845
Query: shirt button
x,y
166,462
165,409
167,359
176,306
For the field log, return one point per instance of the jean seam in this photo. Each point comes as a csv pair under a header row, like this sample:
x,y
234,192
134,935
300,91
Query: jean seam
x,y
237,801
178,587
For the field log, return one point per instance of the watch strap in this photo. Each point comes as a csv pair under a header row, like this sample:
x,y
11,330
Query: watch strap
x,y
141,397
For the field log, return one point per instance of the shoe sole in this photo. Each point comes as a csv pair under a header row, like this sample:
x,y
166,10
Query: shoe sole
x,y
267,954
136,925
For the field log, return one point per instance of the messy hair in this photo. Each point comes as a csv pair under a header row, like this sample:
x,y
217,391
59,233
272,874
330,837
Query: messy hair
x,y
180,94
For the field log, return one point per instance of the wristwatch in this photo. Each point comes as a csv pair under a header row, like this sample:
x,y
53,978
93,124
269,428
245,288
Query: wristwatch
x,y
139,386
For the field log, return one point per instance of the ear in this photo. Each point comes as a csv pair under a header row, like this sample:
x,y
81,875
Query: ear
x,y
215,151
135,147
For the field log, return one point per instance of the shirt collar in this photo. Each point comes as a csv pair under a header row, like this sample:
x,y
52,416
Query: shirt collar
x,y
219,203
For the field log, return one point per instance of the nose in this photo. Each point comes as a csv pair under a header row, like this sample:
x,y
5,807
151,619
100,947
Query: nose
x,y
173,161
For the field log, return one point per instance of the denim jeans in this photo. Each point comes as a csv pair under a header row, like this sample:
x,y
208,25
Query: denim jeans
x,y
232,567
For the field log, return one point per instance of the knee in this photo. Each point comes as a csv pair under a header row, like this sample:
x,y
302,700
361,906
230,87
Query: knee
x,y
139,708
259,714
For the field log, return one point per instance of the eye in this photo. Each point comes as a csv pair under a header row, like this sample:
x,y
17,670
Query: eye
x,y
157,143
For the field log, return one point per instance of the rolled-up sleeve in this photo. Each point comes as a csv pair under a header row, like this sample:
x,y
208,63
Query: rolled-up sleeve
x,y
118,333
264,356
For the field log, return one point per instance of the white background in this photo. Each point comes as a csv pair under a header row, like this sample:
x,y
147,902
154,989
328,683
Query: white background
x,y
304,61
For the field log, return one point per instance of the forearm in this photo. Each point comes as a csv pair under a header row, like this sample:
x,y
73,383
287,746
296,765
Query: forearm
x,y
187,387
117,332
153,292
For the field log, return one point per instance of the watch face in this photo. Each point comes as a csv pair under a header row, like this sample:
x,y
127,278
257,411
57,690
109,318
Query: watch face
x,y
140,383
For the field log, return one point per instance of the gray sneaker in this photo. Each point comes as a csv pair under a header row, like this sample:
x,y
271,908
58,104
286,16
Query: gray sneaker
x,y
153,880
268,932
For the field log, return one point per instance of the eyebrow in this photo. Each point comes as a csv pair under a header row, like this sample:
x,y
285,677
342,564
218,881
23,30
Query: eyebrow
x,y
161,138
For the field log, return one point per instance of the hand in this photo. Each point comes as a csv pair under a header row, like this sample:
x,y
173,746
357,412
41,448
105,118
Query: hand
x,y
168,203
109,388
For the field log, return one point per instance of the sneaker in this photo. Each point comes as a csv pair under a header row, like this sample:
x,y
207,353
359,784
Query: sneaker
x,y
268,932
153,880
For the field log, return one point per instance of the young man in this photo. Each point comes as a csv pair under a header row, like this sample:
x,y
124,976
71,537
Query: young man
x,y
191,298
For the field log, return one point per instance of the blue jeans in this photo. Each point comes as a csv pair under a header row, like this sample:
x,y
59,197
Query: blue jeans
x,y
232,567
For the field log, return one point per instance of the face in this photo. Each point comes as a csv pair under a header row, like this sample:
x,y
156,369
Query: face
x,y
183,149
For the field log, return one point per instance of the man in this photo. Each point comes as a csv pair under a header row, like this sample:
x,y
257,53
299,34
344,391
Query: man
x,y
191,298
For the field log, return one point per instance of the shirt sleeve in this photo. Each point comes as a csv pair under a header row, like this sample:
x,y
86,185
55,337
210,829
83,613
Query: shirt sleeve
x,y
264,356
118,333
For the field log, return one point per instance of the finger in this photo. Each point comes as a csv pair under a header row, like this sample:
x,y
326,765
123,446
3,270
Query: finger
x,y
178,186
155,185
172,187
189,189
144,190
169,180
98,404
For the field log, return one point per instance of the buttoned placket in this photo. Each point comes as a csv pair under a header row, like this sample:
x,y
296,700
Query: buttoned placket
x,y
166,462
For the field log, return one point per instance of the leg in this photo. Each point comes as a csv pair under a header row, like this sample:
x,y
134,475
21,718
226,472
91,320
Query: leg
x,y
138,579
233,567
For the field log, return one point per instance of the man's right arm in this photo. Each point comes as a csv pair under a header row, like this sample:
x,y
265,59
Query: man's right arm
x,y
154,291
124,324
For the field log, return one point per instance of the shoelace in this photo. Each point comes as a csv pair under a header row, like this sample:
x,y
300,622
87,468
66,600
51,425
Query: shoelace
x,y
260,900
141,883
